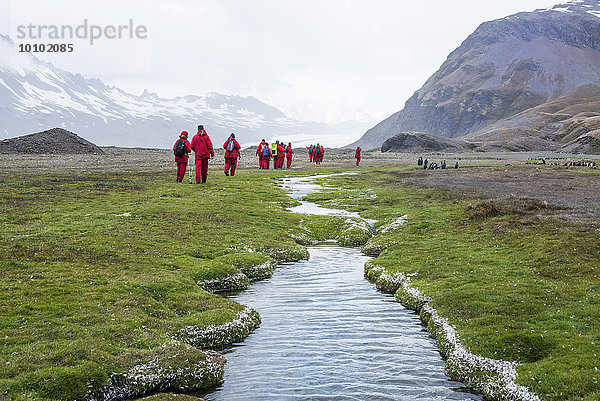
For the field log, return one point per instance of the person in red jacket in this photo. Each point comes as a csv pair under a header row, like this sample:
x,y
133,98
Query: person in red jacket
x,y
310,153
318,156
203,150
259,153
280,155
232,152
288,154
357,155
182,160
266,156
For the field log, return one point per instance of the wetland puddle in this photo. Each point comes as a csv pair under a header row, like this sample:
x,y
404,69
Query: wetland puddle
x,y
328,334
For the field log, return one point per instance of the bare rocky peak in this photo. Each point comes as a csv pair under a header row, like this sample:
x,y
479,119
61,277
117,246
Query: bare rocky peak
x,y
505,67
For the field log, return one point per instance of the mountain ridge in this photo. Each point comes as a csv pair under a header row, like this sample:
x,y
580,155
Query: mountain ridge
x,y
503,68
35,95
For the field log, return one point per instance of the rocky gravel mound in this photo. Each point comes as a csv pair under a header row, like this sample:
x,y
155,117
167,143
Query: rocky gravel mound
x,y
52,141
419,142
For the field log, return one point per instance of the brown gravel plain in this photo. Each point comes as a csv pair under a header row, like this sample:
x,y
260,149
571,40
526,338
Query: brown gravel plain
x,y
569,192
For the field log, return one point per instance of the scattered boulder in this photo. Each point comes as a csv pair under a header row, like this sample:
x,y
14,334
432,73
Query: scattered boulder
x,y
52,141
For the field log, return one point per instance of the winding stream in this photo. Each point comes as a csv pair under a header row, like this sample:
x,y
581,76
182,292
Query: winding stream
x,y
328,334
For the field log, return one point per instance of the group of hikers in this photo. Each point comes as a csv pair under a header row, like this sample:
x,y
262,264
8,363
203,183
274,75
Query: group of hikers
x,y
204,151
276,151
315,153
433,166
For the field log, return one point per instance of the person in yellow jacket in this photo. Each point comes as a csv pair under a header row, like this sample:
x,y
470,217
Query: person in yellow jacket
x,y
274,153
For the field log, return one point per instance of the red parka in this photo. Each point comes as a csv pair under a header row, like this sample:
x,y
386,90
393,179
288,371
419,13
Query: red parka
x,y
202,146
235,153
188,148
260,147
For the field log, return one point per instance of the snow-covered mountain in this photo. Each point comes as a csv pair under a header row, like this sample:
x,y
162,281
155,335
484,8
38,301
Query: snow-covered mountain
x,y
35,96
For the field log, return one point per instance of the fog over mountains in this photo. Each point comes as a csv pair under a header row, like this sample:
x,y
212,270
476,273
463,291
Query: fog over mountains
x,y
490,89
35,96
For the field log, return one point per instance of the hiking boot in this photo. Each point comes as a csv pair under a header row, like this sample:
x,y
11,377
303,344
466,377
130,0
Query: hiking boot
x,y
227,173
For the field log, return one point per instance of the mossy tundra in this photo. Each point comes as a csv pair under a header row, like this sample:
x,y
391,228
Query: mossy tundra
x,y
105,275
517,287
100,273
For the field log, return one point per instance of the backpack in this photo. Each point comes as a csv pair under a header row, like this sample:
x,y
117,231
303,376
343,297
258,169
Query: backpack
x,y
230,145
266,152
318,150
180,148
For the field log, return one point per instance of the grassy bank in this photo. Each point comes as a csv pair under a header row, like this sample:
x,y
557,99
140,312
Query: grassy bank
x,y
516,285
98,272
103,273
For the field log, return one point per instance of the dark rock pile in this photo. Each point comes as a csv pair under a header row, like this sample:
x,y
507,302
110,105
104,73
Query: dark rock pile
x,y
52,141
419,142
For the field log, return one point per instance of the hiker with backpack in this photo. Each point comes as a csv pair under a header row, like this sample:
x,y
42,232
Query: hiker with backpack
x,y
274,155
232,152
318,154
288,154
203,151
357,155
266,156
259,152
280,155
181,149
310,153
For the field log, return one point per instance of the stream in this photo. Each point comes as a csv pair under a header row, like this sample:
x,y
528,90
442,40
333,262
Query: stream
x,y
328,334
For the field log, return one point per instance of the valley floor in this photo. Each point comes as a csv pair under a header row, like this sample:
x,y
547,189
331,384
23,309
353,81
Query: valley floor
x,y
100,257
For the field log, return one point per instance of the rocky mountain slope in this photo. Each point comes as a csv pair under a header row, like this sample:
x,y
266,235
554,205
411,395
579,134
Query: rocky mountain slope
x,y
35,95
570,122
505,67
52,141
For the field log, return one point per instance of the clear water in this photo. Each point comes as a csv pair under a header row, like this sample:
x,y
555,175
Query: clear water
x,y
328,334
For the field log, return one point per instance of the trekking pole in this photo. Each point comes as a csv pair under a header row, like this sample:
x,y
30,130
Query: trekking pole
x,y
190,172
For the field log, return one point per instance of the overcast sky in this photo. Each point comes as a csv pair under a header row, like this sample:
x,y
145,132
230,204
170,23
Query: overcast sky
x,y
323,60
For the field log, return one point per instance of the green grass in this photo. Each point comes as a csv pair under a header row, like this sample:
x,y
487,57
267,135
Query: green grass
x,y
86,291
517,287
